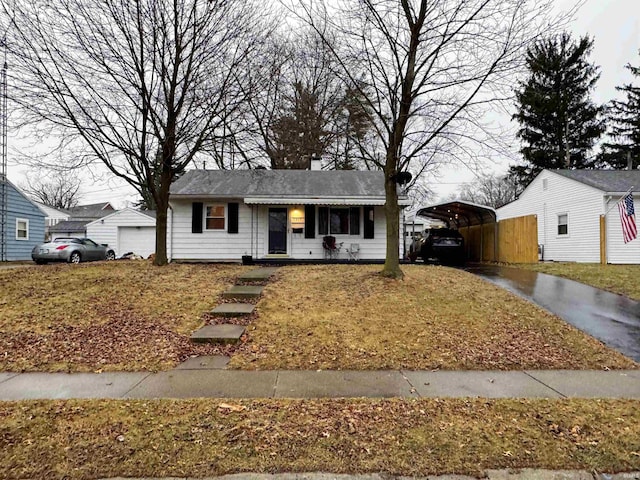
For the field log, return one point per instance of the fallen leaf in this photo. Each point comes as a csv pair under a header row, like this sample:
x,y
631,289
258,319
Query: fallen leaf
x,y
231,407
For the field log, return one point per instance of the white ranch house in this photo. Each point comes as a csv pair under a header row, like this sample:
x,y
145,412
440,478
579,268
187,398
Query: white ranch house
x,y
223,215
569,205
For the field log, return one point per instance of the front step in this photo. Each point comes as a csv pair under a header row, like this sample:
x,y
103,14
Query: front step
x,y
243,291
259,274
224,333
233,309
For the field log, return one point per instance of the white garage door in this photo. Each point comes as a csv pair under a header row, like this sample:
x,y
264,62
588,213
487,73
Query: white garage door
x,y
139,240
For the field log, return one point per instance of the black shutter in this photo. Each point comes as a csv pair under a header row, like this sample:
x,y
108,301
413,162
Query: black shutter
x,y
232,224
354,221
196,217
368,222
323,220
309,221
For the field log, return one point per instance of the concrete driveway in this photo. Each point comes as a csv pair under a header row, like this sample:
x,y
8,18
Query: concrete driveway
x,y
612,319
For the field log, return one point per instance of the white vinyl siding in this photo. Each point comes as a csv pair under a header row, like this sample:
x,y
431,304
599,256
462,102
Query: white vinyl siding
x,y
253,225
581,203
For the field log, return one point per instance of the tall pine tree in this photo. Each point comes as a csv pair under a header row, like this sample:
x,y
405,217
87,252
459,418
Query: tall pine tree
x,y
559,124
624,120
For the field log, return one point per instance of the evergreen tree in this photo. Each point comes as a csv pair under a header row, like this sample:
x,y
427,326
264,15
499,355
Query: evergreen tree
x,y
624,120
559,124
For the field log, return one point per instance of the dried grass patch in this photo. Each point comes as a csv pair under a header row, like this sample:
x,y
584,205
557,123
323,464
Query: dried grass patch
x,y
348,317
620,279
87,439
106,316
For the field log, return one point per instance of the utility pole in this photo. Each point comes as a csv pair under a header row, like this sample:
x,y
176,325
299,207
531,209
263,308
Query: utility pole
x,y
3,157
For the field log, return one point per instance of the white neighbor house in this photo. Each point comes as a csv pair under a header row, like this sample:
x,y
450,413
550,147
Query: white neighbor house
x,y
126,231
569,204
225,214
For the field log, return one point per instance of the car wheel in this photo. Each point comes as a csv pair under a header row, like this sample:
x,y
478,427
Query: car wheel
x,y
75,257
41,262
111,255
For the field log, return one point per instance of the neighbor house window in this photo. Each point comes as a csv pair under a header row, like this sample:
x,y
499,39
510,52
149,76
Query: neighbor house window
x,y
22,229
563,224
215,217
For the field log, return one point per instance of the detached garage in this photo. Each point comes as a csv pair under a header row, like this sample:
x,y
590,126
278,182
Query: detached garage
x,y
126,231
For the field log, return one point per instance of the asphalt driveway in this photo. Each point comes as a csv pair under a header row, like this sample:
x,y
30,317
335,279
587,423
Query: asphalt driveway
x,y
613,319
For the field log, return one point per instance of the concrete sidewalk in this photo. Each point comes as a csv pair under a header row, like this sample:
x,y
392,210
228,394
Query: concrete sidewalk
x,y
182,383
523,474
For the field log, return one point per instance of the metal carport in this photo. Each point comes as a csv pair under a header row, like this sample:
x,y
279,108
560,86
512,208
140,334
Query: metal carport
x,y
477,219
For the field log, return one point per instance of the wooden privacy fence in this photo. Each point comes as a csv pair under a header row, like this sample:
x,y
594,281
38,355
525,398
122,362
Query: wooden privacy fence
x,y
517,241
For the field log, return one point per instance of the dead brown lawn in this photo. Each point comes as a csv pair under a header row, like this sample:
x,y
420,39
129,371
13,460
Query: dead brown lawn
x,y
620,279
107,315
348,317
87,439
134,316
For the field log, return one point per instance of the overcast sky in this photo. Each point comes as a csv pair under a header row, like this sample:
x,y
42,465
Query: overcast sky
x,y
614,25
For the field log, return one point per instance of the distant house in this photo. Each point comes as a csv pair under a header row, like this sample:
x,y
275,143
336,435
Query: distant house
x,y
78,218
24,225
224,215
126,231
53,216
569,206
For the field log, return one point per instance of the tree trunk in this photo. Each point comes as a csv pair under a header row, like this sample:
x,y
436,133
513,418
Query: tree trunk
x,y
392,215
161,220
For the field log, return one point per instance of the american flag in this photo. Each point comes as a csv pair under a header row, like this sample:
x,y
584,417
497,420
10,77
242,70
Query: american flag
x,y
628,218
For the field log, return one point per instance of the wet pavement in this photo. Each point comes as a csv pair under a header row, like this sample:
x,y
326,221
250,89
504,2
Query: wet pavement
x,y
612,319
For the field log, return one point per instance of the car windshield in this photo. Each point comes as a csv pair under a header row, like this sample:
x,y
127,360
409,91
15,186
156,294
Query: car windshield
x,y
66,240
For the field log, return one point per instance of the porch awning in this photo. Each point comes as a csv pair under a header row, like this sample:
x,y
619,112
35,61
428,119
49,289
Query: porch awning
x,y
321,201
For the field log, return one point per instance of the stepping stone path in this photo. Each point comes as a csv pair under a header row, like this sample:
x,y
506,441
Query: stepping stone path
x,y
223,333
233,309
243,291
259,274
228,333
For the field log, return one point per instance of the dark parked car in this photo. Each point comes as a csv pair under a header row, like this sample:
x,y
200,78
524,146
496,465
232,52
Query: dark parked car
x,y
443,244
72,250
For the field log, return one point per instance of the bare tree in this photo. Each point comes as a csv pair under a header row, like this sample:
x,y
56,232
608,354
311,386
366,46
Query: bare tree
x,y
58,189
427,70
491,190
297,105
142,85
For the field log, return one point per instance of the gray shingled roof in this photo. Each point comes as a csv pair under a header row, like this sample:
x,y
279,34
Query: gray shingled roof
x,y
606,180
93,211
278,183
69,226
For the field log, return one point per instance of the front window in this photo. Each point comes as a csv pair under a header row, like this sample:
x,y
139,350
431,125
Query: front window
x,y
22,229
215,217
339,221
563,224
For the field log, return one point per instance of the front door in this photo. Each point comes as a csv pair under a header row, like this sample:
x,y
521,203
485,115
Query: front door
x,y
277,231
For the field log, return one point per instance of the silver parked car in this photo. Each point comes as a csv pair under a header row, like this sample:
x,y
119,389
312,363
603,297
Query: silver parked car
x,y
72,250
